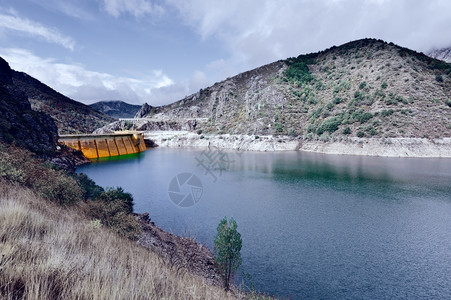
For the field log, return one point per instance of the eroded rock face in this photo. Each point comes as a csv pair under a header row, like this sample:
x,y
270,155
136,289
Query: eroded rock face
x,y
366,88
144,110
19,124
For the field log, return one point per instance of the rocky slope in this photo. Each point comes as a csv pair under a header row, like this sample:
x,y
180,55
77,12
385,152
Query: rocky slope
x,y
19,124
70,116
363,89
23,127
116,109
442,54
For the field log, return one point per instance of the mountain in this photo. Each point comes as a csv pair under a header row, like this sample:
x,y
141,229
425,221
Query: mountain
x,y
442,54
19,124
365,88
116,109
70,116
144,110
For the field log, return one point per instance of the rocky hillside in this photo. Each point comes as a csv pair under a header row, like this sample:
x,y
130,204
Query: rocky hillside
x,y
442,54
70,116
19,124
116,109
365,88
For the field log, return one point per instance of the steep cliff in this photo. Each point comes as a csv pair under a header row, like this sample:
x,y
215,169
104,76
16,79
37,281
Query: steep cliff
x,y
70,116
19,124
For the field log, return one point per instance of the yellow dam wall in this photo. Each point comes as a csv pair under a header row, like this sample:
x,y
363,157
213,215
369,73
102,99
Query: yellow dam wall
x,y
105,145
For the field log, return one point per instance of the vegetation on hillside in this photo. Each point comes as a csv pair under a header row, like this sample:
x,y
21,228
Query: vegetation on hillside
x,y
63,237
365,88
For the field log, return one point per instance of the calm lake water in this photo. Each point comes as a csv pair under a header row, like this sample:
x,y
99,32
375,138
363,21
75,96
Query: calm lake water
x,y
313,226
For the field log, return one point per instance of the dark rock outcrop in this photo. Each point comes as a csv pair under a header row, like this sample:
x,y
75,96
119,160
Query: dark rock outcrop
x,y
144,110
19,124
70,116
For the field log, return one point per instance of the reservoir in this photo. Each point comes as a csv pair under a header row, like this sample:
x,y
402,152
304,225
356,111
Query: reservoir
x,y
313,226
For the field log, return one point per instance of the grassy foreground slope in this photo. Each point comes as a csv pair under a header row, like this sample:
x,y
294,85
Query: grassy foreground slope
x,y
58,243
51,252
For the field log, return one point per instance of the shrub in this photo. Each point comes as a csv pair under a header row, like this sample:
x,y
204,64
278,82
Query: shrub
x,y
227,247
114,214
386,113
279,127
330,125
58,187
337,100
361,116
113,208
19,166
384,85
359,96
347,131
298,70
360,134
292,132
439,78
362,85
128,125
311,128
297,93
92,190
448,102
118,195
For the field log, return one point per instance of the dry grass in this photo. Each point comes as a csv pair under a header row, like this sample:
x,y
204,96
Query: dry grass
x,y
54,252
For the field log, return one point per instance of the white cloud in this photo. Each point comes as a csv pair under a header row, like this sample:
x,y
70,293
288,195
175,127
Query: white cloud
x,y
12,22
137,8
259,32
78,83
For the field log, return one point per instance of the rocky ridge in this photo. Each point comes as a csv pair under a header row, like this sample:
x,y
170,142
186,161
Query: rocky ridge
x,y
70,116
19,124
366,89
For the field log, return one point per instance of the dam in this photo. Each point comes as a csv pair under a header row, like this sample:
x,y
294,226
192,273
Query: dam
x,y
105,145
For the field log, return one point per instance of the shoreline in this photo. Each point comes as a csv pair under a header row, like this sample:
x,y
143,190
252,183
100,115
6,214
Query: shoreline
x,y
379,147
181,252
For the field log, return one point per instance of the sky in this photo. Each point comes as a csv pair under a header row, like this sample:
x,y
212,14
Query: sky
x,y
159,51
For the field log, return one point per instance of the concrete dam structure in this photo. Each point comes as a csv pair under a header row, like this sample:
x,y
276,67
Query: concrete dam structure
x,y
105,145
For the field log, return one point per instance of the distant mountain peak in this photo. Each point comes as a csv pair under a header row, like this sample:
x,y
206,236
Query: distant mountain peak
x,y
116,108
442,54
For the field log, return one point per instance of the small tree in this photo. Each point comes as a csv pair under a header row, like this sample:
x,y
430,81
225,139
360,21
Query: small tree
x,y
227,250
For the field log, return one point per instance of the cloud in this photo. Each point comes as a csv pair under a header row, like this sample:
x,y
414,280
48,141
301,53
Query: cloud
x,y
256,33
78,83
137,8
13,23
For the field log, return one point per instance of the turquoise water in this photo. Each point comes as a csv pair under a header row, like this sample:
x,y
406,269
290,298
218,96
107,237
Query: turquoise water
x,y
313,226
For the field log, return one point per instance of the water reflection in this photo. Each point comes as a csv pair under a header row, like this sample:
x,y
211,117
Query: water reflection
x,y
313,226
